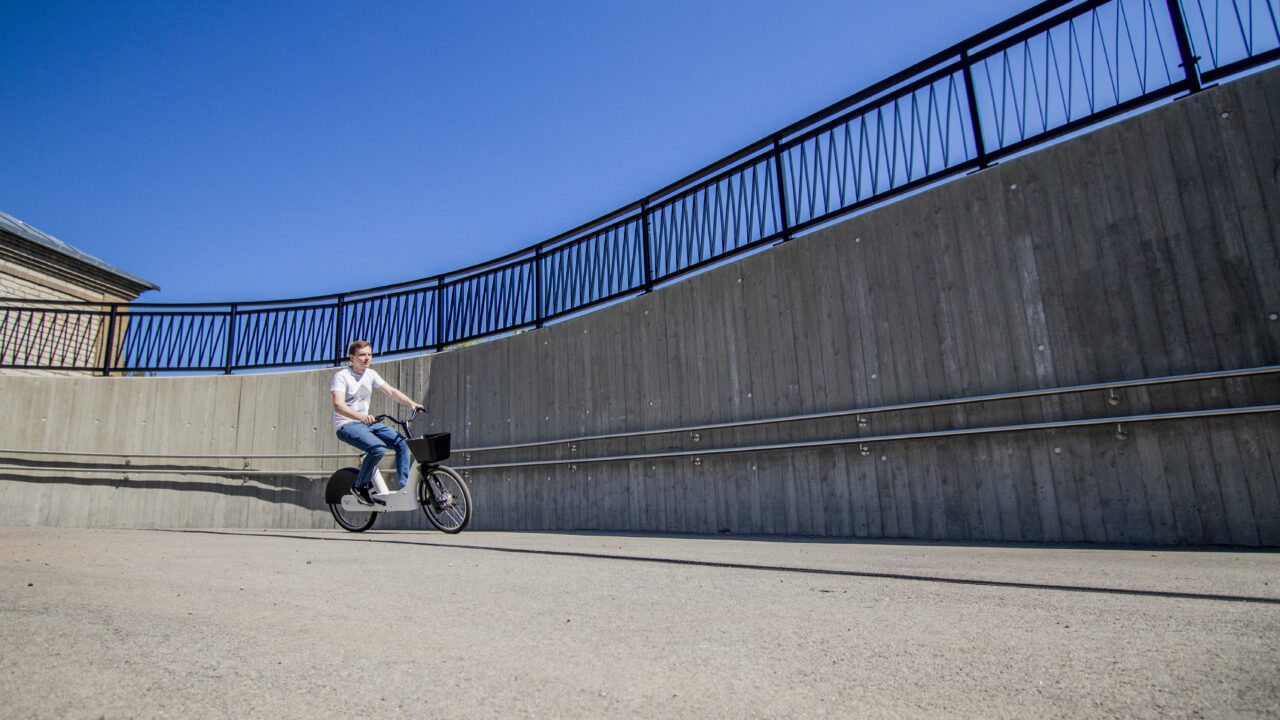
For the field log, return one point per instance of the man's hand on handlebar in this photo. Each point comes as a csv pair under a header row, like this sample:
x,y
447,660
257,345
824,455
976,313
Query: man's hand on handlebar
x,y
370,419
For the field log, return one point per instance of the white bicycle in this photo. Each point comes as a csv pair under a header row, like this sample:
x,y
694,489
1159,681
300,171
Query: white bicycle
x,y
440,491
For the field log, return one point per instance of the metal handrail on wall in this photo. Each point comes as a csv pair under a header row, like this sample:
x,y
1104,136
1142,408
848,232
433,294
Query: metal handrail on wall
x,y
926,434
920,405
1056,68
704,451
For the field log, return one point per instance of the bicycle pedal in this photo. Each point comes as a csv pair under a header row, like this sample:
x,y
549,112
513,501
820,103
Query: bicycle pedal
x,y
366,500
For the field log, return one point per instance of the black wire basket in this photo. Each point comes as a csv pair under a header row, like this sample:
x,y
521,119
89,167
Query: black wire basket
x,y
430,448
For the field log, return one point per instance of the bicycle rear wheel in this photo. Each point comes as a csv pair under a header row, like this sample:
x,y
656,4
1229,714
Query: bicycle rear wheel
x,y
353,520
340,484
446,499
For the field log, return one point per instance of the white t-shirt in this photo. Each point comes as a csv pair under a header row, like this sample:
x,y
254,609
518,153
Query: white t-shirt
x,y
356,390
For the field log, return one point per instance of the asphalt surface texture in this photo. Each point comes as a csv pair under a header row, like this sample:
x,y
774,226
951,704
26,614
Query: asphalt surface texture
x,y
316,624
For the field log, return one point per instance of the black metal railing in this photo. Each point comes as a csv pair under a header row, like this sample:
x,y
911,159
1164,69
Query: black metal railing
x,y
1060,66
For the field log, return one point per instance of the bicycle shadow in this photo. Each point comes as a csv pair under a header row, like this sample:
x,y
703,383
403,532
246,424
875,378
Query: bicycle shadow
x,y
285,487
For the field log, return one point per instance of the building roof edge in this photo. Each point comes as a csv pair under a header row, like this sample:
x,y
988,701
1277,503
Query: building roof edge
x,y
16,227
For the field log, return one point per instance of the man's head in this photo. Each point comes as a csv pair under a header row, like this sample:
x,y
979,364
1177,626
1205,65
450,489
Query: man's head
x,y
361,354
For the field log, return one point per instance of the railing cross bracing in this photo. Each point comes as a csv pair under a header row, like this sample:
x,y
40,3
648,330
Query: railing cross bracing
x,y
1060,66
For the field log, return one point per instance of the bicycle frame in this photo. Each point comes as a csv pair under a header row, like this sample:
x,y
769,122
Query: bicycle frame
x,y
406,498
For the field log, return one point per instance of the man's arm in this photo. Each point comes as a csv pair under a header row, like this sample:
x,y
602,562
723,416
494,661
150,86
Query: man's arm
x,y
399,397
340,407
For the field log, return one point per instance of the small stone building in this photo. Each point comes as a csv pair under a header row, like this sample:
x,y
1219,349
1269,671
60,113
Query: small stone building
x,y
35,266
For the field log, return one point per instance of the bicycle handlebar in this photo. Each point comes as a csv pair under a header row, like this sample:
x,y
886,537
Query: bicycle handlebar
x,y
402,423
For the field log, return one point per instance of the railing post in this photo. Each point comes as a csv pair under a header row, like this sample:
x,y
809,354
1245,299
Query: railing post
x,y
108,357
1190,62
440,313
229,361
782,190
539,303
337,332
646,249
975,118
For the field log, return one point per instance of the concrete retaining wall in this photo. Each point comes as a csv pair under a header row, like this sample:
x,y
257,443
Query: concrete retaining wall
x,y
1146,248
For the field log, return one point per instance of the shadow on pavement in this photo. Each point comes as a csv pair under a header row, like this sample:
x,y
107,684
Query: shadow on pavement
x,y
751,566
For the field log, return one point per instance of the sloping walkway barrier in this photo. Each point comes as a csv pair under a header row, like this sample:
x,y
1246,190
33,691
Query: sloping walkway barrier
x,y
695,431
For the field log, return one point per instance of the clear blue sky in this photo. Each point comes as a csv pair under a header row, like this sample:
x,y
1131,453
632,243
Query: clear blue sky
x,y
232,150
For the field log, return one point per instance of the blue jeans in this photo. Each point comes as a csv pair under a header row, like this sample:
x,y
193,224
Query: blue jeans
x,y
374,440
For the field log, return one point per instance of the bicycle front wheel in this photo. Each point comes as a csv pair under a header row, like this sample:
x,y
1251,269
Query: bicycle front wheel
x,y
446,500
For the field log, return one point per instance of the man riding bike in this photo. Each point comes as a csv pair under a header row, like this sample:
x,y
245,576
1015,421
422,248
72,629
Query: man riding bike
x,y
351,389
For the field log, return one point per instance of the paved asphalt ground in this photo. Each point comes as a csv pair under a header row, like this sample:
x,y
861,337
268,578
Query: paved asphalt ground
x,y
136,623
